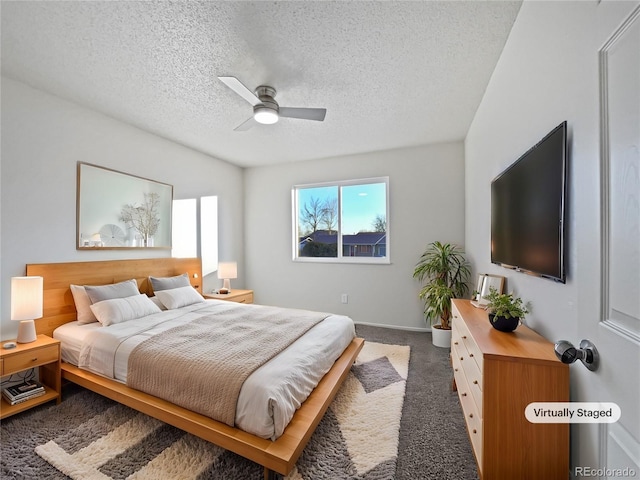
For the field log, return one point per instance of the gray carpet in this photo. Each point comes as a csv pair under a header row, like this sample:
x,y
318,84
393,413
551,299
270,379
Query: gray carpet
x,y
433,442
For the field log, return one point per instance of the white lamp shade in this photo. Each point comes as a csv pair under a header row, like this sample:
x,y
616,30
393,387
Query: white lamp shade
x,y
26,298
26,305
227,270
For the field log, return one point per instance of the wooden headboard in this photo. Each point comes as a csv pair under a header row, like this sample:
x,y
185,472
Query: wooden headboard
x,y
58,306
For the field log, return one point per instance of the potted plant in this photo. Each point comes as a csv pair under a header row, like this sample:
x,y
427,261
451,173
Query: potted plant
x,y
445,271
505,310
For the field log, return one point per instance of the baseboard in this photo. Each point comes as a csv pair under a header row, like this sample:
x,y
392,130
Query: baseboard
x,y
394,327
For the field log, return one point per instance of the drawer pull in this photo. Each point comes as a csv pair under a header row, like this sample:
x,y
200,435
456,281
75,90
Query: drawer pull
x,y
463,394
461,358
471,355
475,431
464,337
475,382
455,369
455,343
34,359
471,415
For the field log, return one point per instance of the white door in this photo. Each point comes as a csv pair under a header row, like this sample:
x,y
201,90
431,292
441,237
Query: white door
x,y
609,307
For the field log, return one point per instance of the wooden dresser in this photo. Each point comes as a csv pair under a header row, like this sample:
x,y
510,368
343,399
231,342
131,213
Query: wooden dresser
x,y
497,375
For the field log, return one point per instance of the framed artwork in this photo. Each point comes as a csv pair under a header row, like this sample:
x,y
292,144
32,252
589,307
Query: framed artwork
x,y
118,210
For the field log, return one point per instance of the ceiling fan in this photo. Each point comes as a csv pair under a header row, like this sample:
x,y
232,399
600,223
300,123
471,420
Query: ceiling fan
x,y
265,108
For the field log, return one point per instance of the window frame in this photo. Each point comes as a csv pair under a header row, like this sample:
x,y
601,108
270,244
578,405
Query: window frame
x,y
200,237
339,258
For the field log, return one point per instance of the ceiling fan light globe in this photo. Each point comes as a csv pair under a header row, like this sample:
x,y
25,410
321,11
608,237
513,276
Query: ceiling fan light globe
x,y
266,116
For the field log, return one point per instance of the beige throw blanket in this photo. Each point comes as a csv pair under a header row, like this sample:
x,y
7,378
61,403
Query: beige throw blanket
x,y
203,364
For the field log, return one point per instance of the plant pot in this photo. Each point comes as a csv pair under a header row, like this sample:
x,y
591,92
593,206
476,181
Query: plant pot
x,y
504,324
440,337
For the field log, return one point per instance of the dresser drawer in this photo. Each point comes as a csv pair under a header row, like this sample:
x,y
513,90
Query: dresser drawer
x,y
475,427
462,385
474,351
456,335
456,359
245,298
470,410
474,379
29,359
462,335
469,356
467,366
475,385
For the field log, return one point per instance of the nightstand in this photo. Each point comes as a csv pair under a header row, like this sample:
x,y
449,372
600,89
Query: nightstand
x,y
235,295
43,353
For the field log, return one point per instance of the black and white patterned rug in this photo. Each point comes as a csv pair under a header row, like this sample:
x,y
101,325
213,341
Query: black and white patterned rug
x,y
356,439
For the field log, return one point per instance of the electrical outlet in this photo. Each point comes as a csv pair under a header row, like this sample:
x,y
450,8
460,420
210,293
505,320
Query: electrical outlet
x,y
345,298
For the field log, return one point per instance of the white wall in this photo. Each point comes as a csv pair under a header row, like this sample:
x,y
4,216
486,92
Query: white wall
x,y
532,90
43,138
548,73
426,204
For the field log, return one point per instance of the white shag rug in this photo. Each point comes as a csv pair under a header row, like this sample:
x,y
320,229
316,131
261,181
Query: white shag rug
x,y
356,439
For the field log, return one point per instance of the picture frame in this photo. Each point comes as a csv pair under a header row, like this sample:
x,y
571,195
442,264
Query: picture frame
x,y
483,286
116,210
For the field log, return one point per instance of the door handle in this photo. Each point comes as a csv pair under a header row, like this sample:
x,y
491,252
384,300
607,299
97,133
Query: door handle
x,y
587,353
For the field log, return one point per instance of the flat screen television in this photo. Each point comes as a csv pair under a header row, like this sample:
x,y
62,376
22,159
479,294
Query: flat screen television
x,y
528,209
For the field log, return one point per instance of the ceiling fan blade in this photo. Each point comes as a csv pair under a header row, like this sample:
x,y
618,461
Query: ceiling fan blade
x,y
304,113
234,84
246,125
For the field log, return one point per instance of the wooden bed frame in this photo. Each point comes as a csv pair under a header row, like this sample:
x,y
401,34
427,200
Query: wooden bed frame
x,y
275,456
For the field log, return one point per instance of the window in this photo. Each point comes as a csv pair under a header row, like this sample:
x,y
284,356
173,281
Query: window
x,y
342,221
209,234
183,225
185,229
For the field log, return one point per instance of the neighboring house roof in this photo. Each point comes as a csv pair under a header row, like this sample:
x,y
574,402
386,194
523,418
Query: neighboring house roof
x,y
365,238
360,238
322,236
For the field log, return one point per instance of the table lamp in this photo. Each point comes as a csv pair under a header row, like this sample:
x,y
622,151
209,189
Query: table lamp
x,y
26,305
227,271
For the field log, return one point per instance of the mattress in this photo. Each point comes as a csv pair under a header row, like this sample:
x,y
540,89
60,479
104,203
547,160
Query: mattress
x,y
270,395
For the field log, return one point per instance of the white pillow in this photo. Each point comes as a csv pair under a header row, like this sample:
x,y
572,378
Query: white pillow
x,y
157,301
179,297
118,310
98,293
167,283
83,304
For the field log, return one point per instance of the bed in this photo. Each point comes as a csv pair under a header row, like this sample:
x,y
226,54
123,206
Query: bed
x,y
286,439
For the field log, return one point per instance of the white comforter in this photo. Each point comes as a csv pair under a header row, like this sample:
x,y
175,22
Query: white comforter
x,y
268,398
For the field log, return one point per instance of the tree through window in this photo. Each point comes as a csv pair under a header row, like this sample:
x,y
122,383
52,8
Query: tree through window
x,y
342,221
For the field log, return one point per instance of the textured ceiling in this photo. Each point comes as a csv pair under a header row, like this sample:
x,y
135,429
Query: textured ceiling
x,y
390,74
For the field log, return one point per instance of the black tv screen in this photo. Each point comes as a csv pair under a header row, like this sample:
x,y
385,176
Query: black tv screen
x,y
528,208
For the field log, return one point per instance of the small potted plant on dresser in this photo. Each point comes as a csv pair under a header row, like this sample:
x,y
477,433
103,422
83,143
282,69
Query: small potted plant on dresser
x,y
445,271
505,310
